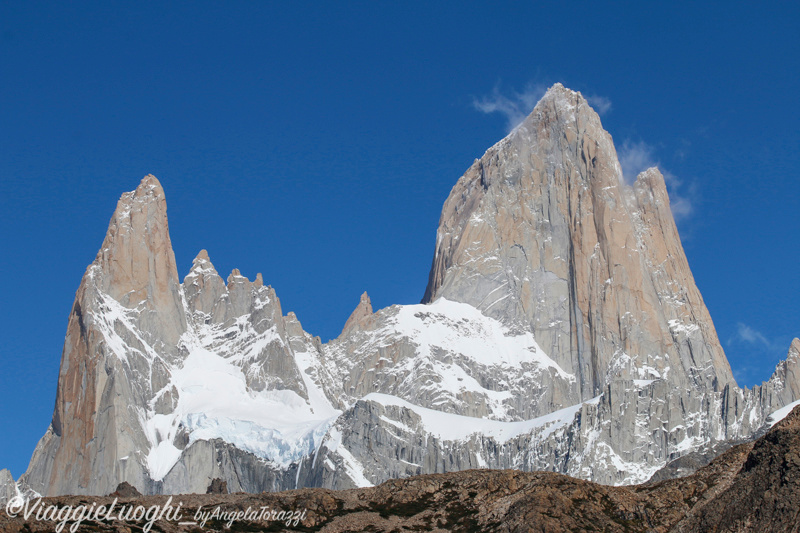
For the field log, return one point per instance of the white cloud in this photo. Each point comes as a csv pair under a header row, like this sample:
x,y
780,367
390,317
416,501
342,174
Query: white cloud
x,y
749,335
756,353
601,104
515,107
679,202
518,105
636,157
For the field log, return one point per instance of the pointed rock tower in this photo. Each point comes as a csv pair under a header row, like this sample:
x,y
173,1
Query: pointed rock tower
x,y
543,234
146,356
362,312
786,378
129,296
8,488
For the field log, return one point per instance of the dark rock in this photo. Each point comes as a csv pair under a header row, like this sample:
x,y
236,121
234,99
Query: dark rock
x,y
126,490
218,486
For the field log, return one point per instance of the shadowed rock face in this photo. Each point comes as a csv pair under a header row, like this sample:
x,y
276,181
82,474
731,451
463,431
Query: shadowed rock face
x,y
785,381
217,487
561,331
753,487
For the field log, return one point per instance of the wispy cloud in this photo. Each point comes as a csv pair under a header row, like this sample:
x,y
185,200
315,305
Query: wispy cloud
x,y
635,157
748,335
754,353
601,104
682,151
516,105
745,333
680,204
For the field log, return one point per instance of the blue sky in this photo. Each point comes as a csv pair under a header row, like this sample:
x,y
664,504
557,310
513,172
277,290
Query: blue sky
x,y
316,143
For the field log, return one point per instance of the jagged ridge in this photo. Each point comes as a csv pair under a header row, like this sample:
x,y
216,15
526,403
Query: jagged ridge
x,y
561,317
751,488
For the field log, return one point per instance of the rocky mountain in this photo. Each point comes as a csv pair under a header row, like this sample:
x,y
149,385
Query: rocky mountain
x,y
8,487
561,330
753,487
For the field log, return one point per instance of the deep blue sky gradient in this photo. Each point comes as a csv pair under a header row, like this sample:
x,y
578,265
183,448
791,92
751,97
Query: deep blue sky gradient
x,y
316,143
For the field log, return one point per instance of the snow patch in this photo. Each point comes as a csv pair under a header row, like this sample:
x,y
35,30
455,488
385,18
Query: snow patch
x,y
450,427
214,402
676,326
781,413
460,328
352,466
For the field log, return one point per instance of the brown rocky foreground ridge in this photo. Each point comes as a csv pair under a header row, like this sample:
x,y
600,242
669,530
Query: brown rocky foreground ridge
x,y
751,487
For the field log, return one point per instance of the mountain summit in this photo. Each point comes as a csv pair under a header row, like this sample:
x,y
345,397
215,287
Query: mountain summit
x,y
542,233
561,330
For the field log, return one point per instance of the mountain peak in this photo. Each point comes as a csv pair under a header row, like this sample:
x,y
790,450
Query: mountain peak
x,y
8,488
559,90
362,311
786,377
650,174
148,192
201,265
149,186
136,259
542,214
651,187
562,99
236,277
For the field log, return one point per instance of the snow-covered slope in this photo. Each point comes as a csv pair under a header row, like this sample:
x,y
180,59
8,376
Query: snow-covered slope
x,y
214,402
448,356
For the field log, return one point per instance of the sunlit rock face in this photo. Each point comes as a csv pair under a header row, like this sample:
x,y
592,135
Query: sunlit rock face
x,y
543,234
561,330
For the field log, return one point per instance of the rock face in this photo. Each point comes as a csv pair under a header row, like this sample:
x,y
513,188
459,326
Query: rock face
x,y
8,488
785,381
151,363
217,487
126,490
542,233
561,330
122,337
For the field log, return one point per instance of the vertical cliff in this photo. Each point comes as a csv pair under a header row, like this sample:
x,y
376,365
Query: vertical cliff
x,y
543,233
